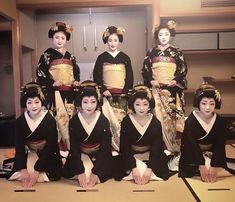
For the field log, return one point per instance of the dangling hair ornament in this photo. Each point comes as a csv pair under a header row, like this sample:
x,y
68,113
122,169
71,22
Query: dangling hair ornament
x,y
217,95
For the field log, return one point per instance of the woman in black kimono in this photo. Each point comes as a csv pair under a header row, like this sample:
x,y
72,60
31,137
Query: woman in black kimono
x,y
90,153
165,70
58,71
141,144
113,72
37,156
203,139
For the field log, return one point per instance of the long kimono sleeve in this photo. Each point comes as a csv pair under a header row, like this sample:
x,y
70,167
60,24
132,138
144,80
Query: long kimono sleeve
x,y
76,69
73,165
147,71
181,69
129,77
157,159
103,157
51,147
20,161
98,73
126,152
218,157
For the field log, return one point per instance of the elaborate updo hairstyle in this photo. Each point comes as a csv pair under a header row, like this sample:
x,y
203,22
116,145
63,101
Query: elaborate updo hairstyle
x,y
60,27
208,91
113,30
88,88
32,90
143,92
170,25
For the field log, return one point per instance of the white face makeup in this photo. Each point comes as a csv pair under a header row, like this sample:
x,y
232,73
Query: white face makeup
x,y
113,42
207,107
34,106
141,106
88,104
164,36
59,40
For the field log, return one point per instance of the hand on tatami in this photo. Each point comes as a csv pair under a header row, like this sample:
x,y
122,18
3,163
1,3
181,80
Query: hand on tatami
x,y
207,175
93,180
33,178
82,180
136,175
146,176
25,177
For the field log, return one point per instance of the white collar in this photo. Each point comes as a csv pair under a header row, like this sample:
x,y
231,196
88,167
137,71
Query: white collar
x,y
206,126
34,124
114,54
89,127
139,128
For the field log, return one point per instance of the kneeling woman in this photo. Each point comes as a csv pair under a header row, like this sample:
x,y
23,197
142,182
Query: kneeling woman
x,y
203,140
37,156
90,137
141,143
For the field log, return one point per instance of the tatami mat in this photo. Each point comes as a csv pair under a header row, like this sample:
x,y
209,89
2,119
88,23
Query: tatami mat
x,y
174,189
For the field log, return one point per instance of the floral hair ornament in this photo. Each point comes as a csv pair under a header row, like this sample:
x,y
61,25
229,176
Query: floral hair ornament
x,y
171,24
120,30
217,95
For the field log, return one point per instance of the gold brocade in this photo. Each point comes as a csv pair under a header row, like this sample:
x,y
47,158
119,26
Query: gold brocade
x,y
62,73
163,72
114,75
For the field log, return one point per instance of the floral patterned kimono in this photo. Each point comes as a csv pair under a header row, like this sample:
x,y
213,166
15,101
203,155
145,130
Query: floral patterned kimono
x,y
114,73
164,66
54,66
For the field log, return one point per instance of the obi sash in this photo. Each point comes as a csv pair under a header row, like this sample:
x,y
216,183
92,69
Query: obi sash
x,y
89,148
62,70
35,146
114,76
163,69
140,148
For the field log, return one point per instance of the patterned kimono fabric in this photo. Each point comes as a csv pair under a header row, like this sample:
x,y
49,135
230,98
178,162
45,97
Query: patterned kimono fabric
x,y
114,73
53,66
165,66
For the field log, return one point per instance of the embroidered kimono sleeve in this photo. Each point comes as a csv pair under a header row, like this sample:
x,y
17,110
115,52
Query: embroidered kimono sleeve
x,y
147,70
181,69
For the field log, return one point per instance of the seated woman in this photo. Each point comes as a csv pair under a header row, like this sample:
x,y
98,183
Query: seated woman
x,y
141,143
37,156
203,140
89,159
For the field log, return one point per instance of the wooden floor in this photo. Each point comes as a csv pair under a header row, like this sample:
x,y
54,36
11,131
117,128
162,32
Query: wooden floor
x,y
175,189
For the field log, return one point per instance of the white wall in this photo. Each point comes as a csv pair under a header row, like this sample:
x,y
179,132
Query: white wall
x,y
133,45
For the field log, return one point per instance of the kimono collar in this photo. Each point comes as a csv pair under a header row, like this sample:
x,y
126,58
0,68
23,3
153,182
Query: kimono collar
x,y
34,124
89,127
139,128
205,126
114,54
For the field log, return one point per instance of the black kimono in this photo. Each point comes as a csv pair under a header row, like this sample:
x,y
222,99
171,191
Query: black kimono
x,y
107,58
196,137
99,139
44,137
49,57
152,138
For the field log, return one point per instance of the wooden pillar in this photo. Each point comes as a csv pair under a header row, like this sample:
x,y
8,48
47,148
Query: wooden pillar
x,y
155,14
16,51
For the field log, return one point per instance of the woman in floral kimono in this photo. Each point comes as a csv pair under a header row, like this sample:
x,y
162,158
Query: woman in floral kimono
x,y
59,73
203,139
165,70
113,72
141,144
89,159
37,156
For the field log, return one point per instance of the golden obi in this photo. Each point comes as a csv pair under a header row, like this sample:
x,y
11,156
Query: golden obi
x,y
62,70
163,72
114,75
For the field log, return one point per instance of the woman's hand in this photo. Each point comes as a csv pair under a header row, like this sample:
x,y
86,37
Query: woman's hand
x,y
33,178
172,83
93,180
204,173
25,178
146,176
155,83
212,174
82,180
107,93
57,83
136,175
76,83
